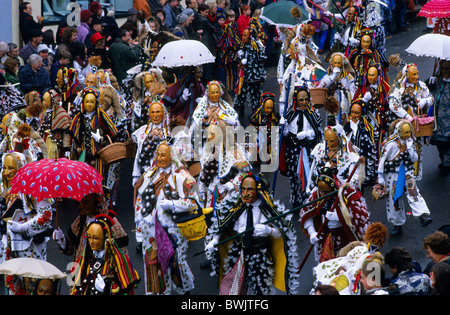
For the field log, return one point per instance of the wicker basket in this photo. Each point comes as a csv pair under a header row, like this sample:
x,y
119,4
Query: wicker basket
x,y
423,126
319,96
113,152
131,147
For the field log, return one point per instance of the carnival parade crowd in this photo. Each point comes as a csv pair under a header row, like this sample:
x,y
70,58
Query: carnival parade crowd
x,y
336,125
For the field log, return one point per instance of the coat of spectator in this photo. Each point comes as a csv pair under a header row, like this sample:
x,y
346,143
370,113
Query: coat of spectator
x,y
27,24
33,77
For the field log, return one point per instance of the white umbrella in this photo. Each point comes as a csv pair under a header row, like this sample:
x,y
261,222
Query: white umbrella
x,y
31,268
431,45
183,52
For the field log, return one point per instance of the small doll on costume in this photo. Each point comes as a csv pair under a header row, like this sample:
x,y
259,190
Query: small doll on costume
x,y
265,117
103,268
249,264
91,128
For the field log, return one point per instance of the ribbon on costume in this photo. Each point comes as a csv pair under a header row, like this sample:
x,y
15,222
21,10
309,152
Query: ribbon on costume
x,y
401,182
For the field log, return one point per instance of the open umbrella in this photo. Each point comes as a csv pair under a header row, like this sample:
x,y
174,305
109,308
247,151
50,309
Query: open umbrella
x,y
435,9
31,268
431,45
57,178
183,52
279,13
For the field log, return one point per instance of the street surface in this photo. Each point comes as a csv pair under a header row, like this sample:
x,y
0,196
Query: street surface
x,y
433,187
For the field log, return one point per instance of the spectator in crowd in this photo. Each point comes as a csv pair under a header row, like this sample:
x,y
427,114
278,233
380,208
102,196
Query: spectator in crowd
x,y
97,26
12,71
131,23
63,61
33,77
171,8
124,54
437,246
27,25
108,20
84,27
47,59
440,278
31,47
13,52
48,38
160,15
68,43
406,275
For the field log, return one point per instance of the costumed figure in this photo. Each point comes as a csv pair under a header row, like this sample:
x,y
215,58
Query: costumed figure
x,y
340,83
264,119
301,133
90,130
251,72
262,259
362,134
410,98
348,39
332,223
149,86
10,95
396,173
164,193
365,54
55,123
343,272
226,51
441,133
19,136
148,137
336,151
90,206
181,97
29,221
212,107
103,268
374,91
68,86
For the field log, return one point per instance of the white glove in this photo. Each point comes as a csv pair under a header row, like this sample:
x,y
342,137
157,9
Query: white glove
x,y
262,230
99,283
240,53
59,237
422,102
367,97
432,80
96,135
282,121
337,36
244,61
166,204
67,154
17,227
229,186
332,216
186,94
229,120
409,144
353,41
210,247
336,72
314,238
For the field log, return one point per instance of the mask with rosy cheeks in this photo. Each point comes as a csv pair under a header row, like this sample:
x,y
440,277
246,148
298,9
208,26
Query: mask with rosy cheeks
x,y
355,112
366,42
96,237
163,156
324,189
214,93
331,139
337,62
413,75
156,112
91,80
405,131
372,75
148,80
9,168
248,190
268,107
